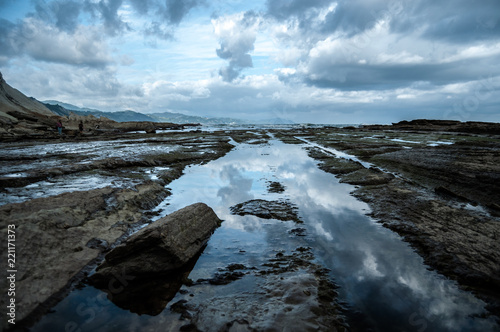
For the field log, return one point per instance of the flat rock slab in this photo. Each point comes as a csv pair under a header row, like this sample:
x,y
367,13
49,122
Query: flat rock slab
x,y
281,210
163,246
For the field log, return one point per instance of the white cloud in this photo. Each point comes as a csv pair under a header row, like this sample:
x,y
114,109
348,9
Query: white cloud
x,y
83,47
237,35
321,61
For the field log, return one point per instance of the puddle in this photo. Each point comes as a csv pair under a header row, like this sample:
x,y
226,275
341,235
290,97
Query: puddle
x,y
33,158
337,153
59,185
381,279
437,143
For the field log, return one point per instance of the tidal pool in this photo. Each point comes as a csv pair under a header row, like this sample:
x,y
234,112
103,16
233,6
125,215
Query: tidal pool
x,y
383,283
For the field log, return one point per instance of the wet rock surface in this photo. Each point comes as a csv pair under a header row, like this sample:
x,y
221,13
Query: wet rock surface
x,y
282,210
298,295
164,246
438,190
64,235
56,232
455,234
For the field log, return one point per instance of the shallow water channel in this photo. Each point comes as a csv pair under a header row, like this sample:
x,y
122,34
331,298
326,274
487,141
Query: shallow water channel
x,y
383,282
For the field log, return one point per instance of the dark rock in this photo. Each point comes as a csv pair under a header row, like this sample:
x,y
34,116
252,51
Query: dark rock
x,y
367,177
163,246
275,187
447,192
96,243
298,231
281,210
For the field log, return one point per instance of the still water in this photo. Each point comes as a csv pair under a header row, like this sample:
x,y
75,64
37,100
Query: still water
x,y
382,281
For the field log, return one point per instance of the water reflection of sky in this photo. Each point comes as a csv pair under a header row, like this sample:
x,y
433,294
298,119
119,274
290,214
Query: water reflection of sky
x,y
379,274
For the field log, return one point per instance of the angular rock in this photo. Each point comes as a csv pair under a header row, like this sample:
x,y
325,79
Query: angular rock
x,y
367,177
281,210
163,246
58,236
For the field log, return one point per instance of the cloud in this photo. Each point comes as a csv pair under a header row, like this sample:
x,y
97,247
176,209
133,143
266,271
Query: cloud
x,y
284,9
358,45
459,21
163,16
175,10
107,11
84,47
237,35
63,14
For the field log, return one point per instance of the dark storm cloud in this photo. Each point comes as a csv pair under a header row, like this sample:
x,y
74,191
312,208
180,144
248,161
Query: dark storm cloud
x,y
284,9
167,15
107,11
6,28
66,13
175,10
29,36
170,11
453,21
449,26
386,77
141,6
356,16
349,16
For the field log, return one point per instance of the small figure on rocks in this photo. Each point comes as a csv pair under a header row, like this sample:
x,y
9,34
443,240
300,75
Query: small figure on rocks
x,y
80,127
59,127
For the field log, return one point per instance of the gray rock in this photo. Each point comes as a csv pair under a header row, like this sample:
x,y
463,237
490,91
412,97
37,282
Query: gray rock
x,y
163,246
281,210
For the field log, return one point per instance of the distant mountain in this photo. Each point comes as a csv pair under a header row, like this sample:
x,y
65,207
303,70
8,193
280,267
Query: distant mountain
x,y
182,118
65,109
276,121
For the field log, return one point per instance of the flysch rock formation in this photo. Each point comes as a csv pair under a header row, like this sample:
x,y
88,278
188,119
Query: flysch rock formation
x,y
164,246
58,237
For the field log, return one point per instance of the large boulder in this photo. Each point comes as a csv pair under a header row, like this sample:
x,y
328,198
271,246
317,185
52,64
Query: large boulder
x,y
59,237
163,246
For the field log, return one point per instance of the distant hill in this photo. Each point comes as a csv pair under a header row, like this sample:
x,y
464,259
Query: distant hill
x,y
65,109
182,118
276,121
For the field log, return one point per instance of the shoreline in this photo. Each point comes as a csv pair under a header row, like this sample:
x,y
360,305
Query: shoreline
x,y
441,198
402,195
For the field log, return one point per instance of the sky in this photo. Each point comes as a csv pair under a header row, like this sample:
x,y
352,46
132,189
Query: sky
x,y
308,61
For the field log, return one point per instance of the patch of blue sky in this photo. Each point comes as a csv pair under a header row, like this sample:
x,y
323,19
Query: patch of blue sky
x,y
14,10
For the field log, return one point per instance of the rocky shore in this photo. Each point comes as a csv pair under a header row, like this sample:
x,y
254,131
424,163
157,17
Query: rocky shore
x,y
22,118
437,189
64,236
436,183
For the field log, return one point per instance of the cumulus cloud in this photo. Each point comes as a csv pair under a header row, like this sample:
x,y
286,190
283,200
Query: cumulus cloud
x,y
459,21
175,10
306,60
379,45
237,35
107,11
166,15
84,47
